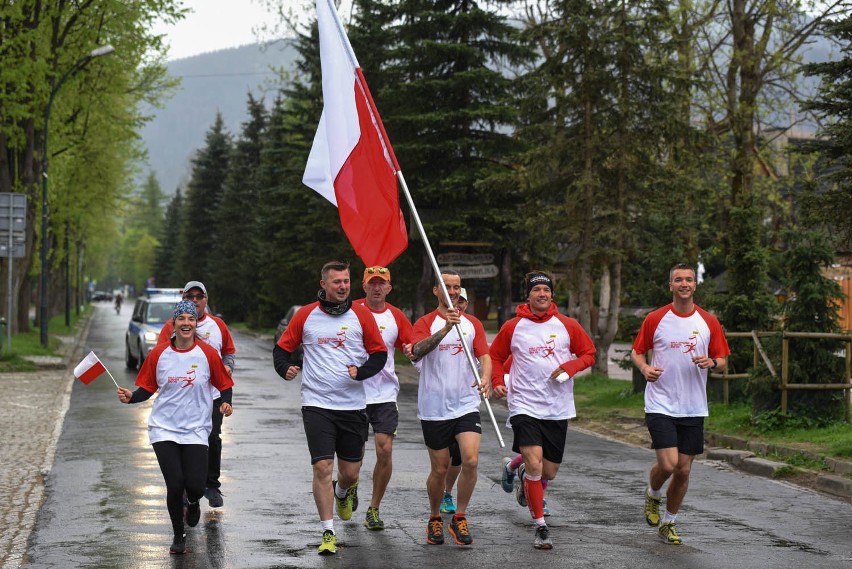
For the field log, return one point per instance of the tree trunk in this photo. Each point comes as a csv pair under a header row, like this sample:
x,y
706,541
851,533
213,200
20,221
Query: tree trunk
x,y
424,287
505,311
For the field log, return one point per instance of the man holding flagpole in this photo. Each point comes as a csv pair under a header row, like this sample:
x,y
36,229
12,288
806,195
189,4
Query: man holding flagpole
x,y
448,402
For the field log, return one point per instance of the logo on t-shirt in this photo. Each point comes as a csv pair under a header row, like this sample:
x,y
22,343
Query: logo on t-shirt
x,y
336,341
687,346
545,351
454,348
190,377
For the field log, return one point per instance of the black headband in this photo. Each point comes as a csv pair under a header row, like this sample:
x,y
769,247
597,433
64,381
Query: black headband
x,y
539,279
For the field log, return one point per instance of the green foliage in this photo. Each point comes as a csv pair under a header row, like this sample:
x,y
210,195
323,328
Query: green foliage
x,y
231,270
831,205
811,306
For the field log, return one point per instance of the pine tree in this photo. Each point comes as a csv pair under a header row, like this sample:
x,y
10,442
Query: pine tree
x,y
203,193
166,269
830,206
447,106
231,272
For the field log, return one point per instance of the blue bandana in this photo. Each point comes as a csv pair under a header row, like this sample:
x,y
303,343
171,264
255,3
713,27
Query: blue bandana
x,y
185,307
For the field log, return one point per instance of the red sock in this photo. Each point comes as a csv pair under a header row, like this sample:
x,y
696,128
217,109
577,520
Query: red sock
x,y
535,496
516,462
458,516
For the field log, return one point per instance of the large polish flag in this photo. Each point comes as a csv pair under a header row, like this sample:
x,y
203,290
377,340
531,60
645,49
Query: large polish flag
x,y
89,369
351,163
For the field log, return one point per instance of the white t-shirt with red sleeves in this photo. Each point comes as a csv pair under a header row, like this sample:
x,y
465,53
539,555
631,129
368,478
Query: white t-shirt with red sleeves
x,y
537,348
445,389
211,330
331,343
183,381
681,390
396,331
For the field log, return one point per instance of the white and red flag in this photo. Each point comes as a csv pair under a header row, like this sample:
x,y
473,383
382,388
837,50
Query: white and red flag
x,y
89,369
351,163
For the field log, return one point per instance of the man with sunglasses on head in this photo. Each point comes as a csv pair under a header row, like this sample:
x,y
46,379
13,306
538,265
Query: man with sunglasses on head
x,y
213,331
383,388
547,350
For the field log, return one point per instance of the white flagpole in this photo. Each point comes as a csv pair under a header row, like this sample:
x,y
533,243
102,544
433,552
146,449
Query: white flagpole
x,y
447,299
389,152
106,370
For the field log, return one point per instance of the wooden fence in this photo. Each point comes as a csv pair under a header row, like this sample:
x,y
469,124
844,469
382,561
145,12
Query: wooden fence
x,y
786,385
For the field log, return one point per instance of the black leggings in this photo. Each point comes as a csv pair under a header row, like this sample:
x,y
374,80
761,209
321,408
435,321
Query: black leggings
x,y
184,468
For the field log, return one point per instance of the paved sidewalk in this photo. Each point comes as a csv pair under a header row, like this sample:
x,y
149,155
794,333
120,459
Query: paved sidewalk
x,y
35,403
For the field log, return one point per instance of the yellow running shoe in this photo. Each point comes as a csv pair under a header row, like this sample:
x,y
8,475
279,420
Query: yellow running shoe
x,y
348,504
669,534
652,509
329,543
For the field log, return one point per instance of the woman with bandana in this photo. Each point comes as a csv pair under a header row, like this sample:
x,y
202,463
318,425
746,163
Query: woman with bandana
x,y
183,371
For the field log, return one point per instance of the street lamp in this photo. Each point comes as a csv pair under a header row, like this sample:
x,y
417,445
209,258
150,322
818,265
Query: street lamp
x,y
79,64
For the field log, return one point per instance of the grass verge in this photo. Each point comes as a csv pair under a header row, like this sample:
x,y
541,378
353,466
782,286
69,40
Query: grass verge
x,y
600,399
29,343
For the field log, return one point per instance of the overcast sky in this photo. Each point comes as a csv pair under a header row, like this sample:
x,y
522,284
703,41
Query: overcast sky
x,y
213,25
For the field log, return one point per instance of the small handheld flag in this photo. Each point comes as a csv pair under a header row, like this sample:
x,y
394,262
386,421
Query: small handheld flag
x,y
90,368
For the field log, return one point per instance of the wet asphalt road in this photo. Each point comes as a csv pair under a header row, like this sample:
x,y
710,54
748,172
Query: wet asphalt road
x,y
105,498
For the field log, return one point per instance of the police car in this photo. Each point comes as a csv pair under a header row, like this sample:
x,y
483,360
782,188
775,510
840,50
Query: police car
x,y
151,311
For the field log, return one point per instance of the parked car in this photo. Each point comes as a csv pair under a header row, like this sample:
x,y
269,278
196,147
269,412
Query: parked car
x,y
101,295
149,315
282,325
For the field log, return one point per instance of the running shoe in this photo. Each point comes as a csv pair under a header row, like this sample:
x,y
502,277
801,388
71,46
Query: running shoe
x,y
519,491
669,534
546,509
435,531
193,514
372,520
652,509
542,538
447,505
458,529
214,497
507,477
348,504
178,545
328,546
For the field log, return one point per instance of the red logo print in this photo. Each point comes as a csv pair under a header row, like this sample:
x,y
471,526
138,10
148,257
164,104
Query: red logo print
x,y
190,377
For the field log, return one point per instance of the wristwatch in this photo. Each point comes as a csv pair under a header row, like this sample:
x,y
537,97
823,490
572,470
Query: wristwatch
x,y
715,363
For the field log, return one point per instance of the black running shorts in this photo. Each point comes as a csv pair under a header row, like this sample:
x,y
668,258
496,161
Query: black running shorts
x,y
685,433
441,434
331,432
384,417
547,434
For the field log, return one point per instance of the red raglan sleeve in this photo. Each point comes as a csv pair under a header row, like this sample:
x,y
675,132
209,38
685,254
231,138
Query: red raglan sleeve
x,y
228,346
403,326
292,336
582,346
219,377
147,376
500,352
373,341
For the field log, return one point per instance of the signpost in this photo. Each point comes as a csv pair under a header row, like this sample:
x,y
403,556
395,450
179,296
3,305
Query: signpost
x,y
13,240
470,265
